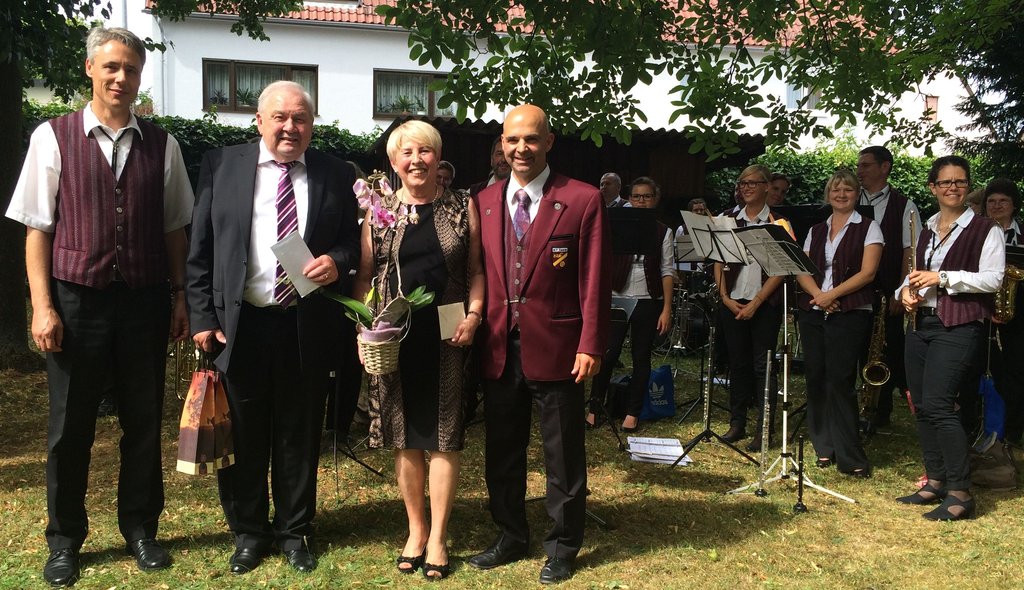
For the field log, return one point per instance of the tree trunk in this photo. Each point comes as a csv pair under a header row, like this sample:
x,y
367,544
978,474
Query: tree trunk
x,y
14,351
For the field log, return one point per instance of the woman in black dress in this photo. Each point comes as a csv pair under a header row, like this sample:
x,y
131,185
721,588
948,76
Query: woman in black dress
x,y
434,242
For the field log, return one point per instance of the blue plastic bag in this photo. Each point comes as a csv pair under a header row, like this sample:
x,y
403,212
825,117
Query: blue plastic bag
x,y
659,401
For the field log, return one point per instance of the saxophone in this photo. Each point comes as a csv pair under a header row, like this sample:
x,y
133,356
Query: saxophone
x,y
875,373
1007,294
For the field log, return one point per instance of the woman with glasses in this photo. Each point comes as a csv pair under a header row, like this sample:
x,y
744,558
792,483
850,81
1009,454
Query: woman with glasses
x,y
751,313
960,260
835,323
1001,203
647,279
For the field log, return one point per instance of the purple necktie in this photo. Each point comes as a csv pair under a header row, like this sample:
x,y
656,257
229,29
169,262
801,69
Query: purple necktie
x,y
521,220
287,222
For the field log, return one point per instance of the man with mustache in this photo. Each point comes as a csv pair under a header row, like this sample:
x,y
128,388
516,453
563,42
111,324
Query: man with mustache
x,y
500,169
106,199
275,349
546,258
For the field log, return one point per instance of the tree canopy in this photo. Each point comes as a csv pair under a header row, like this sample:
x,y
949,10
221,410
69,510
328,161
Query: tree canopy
x,y
584,61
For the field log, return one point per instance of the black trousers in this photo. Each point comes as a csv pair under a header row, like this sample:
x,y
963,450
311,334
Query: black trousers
x,y
643,326
115,339
1008,373
277,409
508,406
831,350
937,360
748,342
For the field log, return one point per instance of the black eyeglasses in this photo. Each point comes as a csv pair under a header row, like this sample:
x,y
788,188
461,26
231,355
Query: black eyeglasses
x,y
641,197
751,183
958,183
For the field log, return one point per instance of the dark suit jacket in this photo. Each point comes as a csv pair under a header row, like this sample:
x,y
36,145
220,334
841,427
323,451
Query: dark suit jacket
x,y
566,308
221,232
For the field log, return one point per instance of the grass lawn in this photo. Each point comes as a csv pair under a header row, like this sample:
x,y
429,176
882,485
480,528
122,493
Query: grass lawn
x,y
673,528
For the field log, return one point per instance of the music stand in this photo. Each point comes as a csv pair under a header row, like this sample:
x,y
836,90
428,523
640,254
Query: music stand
x,y
715,241
634,232
779,255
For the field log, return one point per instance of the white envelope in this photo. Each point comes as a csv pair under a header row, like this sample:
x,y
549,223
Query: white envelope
x,y
294,255
450,315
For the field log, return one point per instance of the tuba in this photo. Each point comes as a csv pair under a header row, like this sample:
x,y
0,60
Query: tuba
x,y
1007,294
875,372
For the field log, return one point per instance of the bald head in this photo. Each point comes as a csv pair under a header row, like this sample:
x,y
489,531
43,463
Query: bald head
x,y
526,139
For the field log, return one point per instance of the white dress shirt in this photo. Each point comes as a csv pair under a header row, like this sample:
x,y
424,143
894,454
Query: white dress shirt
x,y
991,264
261,271
34,203
748,283
534,188
880,201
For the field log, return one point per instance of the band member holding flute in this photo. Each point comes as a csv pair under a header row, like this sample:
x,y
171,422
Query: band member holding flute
x,y
960,258
835,323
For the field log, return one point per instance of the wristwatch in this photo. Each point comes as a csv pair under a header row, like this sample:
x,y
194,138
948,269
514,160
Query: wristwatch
x,y
943,279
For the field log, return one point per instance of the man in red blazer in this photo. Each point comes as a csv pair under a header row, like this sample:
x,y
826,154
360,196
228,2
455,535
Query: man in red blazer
x,y
546,255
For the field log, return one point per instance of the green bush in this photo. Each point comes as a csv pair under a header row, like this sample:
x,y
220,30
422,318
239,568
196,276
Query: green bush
x,y
197,136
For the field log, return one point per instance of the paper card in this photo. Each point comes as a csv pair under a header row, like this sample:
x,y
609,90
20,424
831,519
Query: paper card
x,y
450,315
294,255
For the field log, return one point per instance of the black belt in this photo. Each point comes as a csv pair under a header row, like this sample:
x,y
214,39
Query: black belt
x,y
924,312
275,310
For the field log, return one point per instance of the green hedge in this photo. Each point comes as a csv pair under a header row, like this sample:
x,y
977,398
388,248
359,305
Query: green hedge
x,y
197,136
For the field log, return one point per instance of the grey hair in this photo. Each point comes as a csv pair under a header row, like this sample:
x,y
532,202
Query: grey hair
x,y
285,85
100,36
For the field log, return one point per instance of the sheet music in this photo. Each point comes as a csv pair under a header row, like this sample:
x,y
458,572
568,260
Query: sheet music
x,y
772,247
656,450
713,238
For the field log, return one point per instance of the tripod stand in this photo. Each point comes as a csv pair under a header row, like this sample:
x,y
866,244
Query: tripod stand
x,y
784,462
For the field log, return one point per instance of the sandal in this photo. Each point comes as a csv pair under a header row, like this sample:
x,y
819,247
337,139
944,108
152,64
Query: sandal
x,y
938,495
442,570
951,501
415,563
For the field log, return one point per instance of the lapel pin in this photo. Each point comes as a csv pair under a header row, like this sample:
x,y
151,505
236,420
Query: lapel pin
x,y
558,206
487,211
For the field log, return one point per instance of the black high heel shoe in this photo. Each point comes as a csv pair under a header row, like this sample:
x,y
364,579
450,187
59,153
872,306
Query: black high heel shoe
x,y
415,563
916,498
951,501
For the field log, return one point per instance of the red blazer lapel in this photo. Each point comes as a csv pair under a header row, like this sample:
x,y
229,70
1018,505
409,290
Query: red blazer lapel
x,y
492,227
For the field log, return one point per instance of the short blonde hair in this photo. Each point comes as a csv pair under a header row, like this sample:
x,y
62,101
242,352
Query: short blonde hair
x,y
842,176
417,131
758,169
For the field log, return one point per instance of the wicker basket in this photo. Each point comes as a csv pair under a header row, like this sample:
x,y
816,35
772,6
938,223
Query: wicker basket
x,y
379,358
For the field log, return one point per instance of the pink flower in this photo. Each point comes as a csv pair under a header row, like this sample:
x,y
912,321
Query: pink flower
x,y
385,187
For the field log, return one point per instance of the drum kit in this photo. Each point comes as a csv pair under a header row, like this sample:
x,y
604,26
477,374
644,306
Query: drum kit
x,y
694,297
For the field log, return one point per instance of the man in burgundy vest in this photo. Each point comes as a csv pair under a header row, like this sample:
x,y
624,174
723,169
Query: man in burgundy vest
x,y
892,212
106,199
546,257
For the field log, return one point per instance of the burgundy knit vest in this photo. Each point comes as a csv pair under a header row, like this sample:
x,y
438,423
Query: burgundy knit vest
x,y
889,275
622,263
964,254
733,271
845,264
105,228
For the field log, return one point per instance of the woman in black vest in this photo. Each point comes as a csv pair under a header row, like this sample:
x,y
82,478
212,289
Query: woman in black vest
x,y
960,260
835,323
1002,202
648,280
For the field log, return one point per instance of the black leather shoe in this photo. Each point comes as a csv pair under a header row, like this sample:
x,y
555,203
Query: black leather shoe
x,y
62,567
503,551
301,560
149,554
734,434
555,570
861,473
245,559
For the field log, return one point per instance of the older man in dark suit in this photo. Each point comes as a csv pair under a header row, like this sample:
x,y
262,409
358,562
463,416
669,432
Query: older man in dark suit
x,y
277,349
546,255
